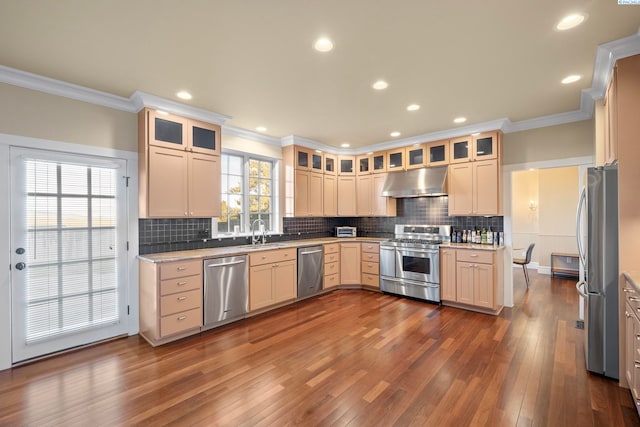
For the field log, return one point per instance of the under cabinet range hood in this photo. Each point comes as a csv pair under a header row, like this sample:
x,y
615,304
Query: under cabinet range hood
x,y
416,183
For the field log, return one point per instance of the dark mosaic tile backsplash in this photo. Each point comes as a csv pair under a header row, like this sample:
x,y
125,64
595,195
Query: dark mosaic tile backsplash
x,y
166,235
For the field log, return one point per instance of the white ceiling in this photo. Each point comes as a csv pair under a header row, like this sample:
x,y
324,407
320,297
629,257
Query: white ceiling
x,y
253,59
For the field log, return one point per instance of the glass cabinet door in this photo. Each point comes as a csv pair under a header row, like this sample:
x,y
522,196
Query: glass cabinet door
x,y
395,159
167,130
316,161
204,137
438,153
346,165
460,149
330,162
302,158
379,161
485,146
363,163
414,156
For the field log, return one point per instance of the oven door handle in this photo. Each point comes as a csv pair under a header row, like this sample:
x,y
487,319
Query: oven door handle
x,y
418,251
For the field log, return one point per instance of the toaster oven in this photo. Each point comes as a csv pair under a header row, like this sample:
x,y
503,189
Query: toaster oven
x,y
346,231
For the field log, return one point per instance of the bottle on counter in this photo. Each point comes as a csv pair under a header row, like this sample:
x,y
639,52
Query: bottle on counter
x,y
483,236
489,237
495,238
501,234
473,236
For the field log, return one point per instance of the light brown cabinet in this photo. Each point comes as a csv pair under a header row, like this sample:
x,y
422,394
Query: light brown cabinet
x,y
307,159
330,195
448,275
381,205
347,196
395,160
631,343
330,164
415,156
379,162
437,153
304,181
364,193
472,278
178,167
170,300
346,165
272,278
364,164
331,265
370,268
482,146
474,188
349,263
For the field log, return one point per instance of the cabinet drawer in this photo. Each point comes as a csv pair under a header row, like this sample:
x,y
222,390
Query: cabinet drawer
x,y
331,268
268,257
183,301
483,257
331,281
370,267
180,322
331,248
371,280
371,257
371,247
332,257
180,284
170,270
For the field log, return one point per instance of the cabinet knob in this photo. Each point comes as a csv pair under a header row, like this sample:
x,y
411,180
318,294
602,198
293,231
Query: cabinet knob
x,y
181,283
191,213
182,298
182,317
186,214
181,268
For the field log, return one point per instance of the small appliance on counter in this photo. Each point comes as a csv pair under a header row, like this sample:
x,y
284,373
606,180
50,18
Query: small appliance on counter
x,y
346,231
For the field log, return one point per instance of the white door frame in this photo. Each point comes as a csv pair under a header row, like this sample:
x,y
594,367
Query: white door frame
x,y
6,141
582,162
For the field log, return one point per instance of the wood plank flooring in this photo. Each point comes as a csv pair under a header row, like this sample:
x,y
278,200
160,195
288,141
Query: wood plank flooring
x,y
351,357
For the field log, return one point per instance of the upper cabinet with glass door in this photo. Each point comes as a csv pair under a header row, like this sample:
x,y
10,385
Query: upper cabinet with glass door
x,y
346,165
437,153
330,164
415,156
395,159
460,150
363,164
178,133
485,145
379,162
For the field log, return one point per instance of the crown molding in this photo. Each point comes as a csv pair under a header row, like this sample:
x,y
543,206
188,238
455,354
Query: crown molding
x,y
68,90
251,135
310,143
142,99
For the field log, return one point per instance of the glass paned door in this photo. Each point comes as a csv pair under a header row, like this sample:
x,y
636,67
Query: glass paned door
x,y
69,262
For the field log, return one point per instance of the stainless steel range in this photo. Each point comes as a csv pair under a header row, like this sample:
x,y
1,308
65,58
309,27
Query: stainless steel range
x,y
410,263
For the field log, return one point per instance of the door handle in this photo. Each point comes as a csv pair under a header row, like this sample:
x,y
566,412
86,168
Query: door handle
x,y
21,266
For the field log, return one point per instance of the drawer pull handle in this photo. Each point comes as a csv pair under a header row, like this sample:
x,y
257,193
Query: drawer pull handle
x,y
634,299
181,268
182,298
473,255
286,254
370,256
627,290
181,283
182,317
627,314
264,257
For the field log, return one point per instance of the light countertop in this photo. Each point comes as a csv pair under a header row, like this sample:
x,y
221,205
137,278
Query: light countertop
x,y
633,278
475,246
247,249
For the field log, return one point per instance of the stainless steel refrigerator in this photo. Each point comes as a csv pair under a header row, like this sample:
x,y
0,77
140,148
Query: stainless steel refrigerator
x,y
600,260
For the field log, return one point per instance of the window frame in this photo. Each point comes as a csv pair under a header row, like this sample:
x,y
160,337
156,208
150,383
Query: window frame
x,y
276,220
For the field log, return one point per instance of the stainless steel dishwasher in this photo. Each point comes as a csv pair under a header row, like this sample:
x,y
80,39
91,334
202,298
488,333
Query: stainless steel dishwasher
x,y
225,289
310,270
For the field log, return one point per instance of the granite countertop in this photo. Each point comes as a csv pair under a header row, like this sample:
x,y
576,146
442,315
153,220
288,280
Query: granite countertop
x,y
247,249
633,277
472,246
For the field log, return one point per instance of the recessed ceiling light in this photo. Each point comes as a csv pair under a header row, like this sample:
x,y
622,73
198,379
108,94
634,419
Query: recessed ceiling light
x,y
345,145
570,21
162,112
261,129
459,120
183,94
395,134
323,44
571,79
380,85
413,107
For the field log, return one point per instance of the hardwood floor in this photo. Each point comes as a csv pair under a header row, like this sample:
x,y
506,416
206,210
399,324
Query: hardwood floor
x,y
347,358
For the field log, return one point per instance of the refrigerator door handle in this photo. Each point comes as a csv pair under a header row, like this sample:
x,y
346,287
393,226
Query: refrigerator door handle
x,y
581,250
580,287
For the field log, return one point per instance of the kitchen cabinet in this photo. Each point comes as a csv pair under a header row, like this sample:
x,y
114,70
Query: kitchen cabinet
x,y
611,120
475,188
381,205
370,268
170,297
347,188
395,160
272,277
415,156
437,153
330,164
331,265
330,195
631,344
181,178
364,164
379,162
448,275
304,185
346,165
472,278
460,150
364,193
349,263
482,146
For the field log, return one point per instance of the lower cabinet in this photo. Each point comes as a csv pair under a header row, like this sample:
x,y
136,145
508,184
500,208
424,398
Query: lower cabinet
x,y
331,265
632,342
272,277
350,263
370,265
170,300
477,276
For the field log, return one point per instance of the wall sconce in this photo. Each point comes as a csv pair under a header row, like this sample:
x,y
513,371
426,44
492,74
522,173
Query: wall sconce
x,y
533,205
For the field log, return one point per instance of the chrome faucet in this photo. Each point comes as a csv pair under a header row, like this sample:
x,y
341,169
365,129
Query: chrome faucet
x,y
255,239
